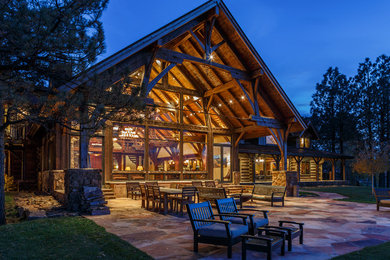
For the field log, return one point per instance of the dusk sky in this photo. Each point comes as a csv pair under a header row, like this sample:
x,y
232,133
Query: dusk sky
x,y
298,40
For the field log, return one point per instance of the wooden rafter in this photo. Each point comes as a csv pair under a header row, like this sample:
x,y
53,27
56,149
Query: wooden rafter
x,y
178,57
220,88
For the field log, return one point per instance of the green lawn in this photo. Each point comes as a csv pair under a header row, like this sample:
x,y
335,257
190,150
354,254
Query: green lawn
x,y
10,211
380,252
63,238
354,193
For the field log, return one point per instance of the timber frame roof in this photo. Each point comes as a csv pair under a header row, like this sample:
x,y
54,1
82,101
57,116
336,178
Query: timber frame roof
x,y
205,53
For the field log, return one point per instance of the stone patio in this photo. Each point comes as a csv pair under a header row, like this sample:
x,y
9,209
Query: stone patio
x,y
331,228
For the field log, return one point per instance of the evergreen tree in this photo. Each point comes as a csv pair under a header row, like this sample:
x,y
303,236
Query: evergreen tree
x,y
332,110
42,44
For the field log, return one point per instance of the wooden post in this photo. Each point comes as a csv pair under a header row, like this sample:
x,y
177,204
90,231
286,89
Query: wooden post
x,y
343,169
333,162
181,154
58,147
317,162
107,152
234,156
298,160
277,159
146,153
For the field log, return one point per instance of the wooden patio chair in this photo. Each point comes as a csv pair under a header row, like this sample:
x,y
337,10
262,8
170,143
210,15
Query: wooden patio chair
x,y
382,197
133,189
272,239
208,230
142,188
158,199
149,195
292,231
228,206
187,196
197,183
210,184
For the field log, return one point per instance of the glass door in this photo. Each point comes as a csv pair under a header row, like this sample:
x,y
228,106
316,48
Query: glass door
x,y
222,163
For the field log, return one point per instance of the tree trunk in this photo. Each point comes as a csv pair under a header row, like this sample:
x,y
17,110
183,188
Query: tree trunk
x,y
84,142
372,183
2,172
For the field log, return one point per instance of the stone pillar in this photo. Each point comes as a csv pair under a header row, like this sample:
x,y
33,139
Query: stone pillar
x,y
83,191
288,179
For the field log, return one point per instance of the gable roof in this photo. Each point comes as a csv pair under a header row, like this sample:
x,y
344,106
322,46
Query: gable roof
x,y
184,35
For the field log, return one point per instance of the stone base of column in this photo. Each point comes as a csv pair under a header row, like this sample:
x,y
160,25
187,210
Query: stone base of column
x,y
288,179
83,191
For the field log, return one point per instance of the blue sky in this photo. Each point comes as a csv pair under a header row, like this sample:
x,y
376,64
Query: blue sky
x,y
298,40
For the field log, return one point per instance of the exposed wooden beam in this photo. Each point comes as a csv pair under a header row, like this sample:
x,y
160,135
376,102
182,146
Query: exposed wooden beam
x,y
266,121
159,76
247,128
220,88
239,138
178,57
198,21
247,95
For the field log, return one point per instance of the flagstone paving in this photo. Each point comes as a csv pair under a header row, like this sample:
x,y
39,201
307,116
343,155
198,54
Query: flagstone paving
x,y
331,228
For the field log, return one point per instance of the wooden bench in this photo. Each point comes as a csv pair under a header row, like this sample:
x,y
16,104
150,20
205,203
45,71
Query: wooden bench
x,y
382,197
269,193
210,194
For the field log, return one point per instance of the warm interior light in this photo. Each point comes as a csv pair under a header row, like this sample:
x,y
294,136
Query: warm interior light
x,y
211,57
231,101
140,168
115,139
242,97
115,128
219,105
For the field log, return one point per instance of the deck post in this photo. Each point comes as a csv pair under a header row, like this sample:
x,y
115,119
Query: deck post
x,y
107,152
343,169
333,161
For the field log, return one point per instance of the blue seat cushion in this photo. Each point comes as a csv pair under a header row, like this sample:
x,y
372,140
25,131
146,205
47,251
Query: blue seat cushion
x,y
219,230
259,222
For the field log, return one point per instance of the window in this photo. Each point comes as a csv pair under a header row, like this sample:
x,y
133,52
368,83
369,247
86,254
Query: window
x,y
194,151
304,142
164,152
128,147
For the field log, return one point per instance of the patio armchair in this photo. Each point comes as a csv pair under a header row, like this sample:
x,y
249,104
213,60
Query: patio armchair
x,y
382,197
228,206
272,239
187,196
133,189
211,231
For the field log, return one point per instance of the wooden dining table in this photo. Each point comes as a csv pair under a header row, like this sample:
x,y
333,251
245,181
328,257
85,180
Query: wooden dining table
x,y
166,192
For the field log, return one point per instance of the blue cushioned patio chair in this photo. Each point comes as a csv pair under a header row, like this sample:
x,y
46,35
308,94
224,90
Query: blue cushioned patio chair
x,y
211,231
228,206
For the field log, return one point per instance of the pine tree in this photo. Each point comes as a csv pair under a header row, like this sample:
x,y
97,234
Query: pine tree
x,y
39,42
332,110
